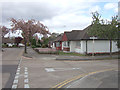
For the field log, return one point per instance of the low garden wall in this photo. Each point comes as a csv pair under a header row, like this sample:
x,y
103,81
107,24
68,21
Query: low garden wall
x,y
46,51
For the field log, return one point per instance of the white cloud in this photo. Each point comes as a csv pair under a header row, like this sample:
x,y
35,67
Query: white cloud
x,y
110,6
116,9
68,22
58,15
94,8
58,0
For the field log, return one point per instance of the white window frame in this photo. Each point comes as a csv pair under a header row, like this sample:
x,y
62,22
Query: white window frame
x,y
65,44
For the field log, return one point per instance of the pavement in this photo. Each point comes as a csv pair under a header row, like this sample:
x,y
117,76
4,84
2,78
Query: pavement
x,y
75,58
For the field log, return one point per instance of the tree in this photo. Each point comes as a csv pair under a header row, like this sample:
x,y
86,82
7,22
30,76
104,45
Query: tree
x,y
104,29
18,40
4,29
45,42
29,28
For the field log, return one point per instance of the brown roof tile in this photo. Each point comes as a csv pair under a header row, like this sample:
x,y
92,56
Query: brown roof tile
x,y
75,35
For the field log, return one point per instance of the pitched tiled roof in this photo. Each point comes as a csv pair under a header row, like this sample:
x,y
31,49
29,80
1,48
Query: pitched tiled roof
x,y
78,34
59,38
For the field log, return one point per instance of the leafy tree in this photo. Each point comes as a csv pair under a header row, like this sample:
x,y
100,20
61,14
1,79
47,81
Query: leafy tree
x,y
29,28
4,29
104,29
45,42
33,42
39,43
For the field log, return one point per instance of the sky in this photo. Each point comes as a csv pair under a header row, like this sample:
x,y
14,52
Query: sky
x,y
57,15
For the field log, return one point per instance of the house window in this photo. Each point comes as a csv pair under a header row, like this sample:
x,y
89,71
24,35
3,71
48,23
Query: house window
x,y
66,44
58,44
78,44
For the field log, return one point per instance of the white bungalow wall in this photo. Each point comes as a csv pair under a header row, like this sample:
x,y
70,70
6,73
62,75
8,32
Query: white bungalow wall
x,y
99,46
74,48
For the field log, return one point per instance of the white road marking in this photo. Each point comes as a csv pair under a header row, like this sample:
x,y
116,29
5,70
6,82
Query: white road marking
x,y
14,86
60,69
26,81
17,73
16,77
26,86
26,72
18,70
25,76
49,69
15,81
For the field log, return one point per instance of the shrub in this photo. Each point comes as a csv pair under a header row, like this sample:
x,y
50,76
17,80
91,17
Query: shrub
x,y
43,46
38,45
33,42
33,46
14,46
28,44
4,45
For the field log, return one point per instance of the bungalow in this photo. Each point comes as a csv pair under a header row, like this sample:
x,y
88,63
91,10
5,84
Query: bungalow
x,y
80,42
58,42
11,42
8,41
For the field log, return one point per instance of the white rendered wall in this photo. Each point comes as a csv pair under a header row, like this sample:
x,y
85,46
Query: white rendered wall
x,y
72,46
99,46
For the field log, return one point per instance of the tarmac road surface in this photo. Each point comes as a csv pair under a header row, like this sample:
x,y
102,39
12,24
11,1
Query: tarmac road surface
x,y
107,79
10,60
44,71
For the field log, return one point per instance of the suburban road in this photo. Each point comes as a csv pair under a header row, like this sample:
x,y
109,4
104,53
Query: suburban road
x,y
44,71
10,60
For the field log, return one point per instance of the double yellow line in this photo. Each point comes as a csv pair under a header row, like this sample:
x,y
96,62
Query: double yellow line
x,y
62,84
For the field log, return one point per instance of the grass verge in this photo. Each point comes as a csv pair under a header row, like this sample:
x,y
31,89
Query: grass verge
x,y
70,53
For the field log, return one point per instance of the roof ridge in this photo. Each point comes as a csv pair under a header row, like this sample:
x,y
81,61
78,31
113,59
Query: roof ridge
x,y
85,30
